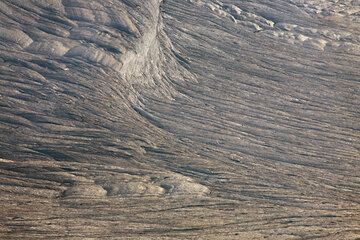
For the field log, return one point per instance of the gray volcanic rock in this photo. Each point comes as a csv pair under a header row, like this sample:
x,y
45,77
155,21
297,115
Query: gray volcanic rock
x,y
179,119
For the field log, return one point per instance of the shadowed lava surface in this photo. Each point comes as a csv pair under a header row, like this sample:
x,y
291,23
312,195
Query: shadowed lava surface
x,y
196,119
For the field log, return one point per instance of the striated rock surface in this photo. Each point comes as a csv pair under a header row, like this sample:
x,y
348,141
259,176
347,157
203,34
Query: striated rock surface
x,y
179,119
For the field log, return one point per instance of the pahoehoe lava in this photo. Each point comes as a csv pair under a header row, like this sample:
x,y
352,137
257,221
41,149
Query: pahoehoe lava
x,y
180,119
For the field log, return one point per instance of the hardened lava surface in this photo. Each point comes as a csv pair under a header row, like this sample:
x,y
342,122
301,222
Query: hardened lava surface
x,y
180,119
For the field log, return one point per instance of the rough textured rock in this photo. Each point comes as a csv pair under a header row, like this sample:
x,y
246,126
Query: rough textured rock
x,y
179,119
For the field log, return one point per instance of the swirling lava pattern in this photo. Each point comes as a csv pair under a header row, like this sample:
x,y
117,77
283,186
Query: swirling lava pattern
x,y
197,119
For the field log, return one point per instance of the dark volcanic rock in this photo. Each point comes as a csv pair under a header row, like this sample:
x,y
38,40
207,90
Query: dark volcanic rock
x,y
198,119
